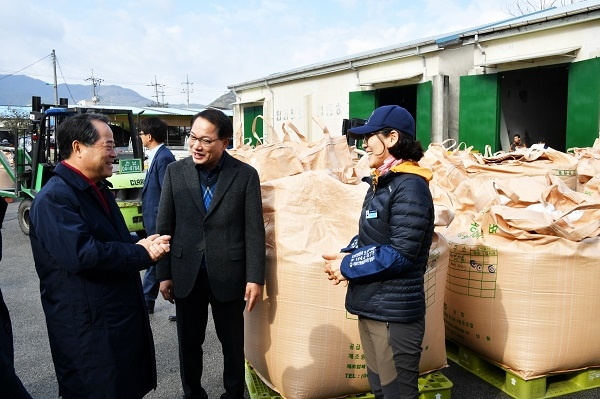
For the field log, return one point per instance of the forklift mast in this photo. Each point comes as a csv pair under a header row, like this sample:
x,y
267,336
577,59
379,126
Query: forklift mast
x,y
36,156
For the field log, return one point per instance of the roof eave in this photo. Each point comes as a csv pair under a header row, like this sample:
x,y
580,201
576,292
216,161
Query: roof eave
x,y
343,64
510,29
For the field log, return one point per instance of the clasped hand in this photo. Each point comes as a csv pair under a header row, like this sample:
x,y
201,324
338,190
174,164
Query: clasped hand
x,y
333,263
156,245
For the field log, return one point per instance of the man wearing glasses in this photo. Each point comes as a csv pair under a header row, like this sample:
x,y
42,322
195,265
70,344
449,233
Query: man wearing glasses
x,y
89,269
153,133
211,207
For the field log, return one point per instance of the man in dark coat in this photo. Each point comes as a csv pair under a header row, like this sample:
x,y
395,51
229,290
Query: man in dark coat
x,y
88,265
153,132
211,205
10,384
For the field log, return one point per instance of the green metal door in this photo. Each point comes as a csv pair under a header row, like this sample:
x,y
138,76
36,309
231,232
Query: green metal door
x,y
250,113
423,117
362,103
583,103
479,112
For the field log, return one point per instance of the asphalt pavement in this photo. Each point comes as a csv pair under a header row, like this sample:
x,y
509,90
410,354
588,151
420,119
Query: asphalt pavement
x,y
33,362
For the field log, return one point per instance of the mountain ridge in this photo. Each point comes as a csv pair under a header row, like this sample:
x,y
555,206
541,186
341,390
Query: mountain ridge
x,y
17,90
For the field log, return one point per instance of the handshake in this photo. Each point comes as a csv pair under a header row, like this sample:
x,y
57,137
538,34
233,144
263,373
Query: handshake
x,y
156,245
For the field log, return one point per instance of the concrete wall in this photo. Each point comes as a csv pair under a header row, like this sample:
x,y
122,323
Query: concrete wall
x,y
531,44
326,97
454,63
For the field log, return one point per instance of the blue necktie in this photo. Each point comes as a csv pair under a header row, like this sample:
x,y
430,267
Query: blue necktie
x,y
207,197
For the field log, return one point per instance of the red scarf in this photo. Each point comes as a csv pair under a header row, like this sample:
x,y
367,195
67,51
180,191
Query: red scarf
x,y
388,164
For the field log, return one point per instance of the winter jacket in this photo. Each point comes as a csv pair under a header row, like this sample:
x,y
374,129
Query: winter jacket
x,y
88,266
389,256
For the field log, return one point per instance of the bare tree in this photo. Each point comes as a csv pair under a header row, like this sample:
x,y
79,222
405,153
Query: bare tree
x,y
522,7
14,118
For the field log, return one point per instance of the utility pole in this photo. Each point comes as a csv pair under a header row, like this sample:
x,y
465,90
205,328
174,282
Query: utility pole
x,y
95,82
55,81
187,89
156,86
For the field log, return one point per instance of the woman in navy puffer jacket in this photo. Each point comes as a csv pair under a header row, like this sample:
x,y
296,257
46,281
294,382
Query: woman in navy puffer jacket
x,y
385,263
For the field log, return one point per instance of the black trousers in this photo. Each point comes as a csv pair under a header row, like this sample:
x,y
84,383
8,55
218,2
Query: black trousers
x,y
192,318
10,385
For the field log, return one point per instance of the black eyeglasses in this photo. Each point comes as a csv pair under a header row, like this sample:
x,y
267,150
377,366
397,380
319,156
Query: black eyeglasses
x,y
142,134
369,135
204,142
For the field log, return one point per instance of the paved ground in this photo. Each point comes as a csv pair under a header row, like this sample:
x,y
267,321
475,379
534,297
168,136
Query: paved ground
x,y
33,361
19,284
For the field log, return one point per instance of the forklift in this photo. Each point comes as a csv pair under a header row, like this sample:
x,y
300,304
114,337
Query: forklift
x,y
36,155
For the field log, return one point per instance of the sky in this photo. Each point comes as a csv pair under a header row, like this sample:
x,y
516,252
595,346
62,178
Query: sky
x,y
211,44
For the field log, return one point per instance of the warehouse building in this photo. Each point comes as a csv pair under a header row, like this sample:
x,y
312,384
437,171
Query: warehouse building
x,y
537,75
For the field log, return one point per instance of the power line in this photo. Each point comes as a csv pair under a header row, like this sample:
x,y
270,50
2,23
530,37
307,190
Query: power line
x,y
63,78
4,77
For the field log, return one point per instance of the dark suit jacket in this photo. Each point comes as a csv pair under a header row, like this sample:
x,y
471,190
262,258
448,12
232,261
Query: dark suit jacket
x,y
152,187
231,235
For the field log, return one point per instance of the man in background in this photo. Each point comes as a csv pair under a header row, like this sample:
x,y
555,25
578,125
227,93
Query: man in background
x,y
153,133
516,144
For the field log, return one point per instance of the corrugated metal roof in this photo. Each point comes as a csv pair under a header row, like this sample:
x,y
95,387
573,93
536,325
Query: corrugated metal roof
x,y
157,111
494,25
439,40
549,14
147,111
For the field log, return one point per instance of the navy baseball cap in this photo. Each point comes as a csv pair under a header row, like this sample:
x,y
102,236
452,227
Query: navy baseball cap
x,y
387,116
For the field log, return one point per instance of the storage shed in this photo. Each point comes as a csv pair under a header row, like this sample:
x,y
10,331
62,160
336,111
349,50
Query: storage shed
x,y
537,75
